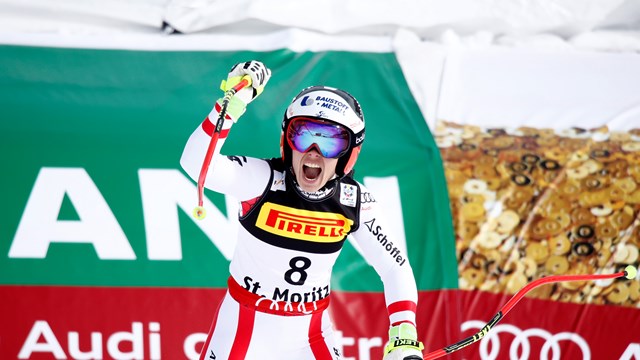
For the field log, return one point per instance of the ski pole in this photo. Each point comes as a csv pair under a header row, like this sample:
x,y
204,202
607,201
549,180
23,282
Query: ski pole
x,y
199,211
629,272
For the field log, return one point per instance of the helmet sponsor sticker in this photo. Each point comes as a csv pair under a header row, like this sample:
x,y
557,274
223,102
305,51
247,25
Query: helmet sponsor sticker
x,y
306,101
332,104
326,105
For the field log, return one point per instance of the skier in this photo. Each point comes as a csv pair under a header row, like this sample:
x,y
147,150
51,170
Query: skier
x,y
296,213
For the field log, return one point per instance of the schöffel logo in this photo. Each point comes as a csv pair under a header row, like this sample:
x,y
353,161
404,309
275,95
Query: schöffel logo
x,y
306,225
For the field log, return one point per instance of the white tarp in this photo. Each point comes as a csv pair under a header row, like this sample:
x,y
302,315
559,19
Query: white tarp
x,y
556,63
507,20
425,17
498,86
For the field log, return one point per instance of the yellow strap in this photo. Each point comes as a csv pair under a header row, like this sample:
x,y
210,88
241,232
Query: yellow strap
x,y
403,343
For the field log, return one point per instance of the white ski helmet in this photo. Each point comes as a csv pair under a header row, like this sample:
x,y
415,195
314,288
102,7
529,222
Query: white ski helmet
x,y
329,105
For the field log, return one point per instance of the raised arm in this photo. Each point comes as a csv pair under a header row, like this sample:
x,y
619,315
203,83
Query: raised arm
x,y
239,176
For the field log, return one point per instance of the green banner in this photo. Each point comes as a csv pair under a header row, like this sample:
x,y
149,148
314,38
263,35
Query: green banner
x,y
94,194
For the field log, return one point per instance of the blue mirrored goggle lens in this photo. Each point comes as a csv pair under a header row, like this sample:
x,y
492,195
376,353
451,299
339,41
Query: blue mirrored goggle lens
x,y
331,140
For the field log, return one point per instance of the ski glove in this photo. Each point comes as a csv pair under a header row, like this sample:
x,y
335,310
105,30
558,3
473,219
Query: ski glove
x,y
403,343
259,74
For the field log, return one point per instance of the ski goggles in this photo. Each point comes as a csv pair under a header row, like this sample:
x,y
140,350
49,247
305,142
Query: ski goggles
x,y
331,140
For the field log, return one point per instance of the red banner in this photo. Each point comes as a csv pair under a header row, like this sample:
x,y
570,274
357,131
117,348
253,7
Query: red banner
x,y
171,323
545,329
106,323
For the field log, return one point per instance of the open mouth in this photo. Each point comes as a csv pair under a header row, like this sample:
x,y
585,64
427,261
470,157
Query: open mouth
x,y
311,171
